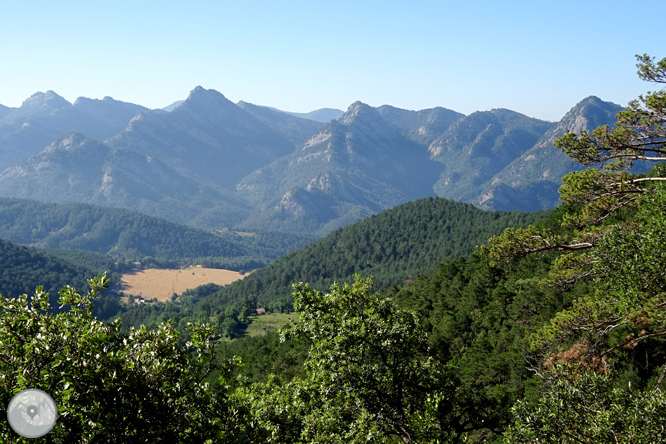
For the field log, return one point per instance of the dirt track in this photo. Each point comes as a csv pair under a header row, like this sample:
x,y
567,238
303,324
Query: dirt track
x,y
160,284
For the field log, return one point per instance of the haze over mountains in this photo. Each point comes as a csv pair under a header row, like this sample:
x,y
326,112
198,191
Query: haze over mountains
x,y
43,117
210,163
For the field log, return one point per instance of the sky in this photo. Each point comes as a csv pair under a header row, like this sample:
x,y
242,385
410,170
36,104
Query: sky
x,y
539,58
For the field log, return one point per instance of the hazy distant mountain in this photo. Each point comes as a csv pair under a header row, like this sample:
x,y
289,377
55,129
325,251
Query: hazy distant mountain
x,y
322,115
44,117
4,110
207,137
22,133
77,169
478,146
212,163
173,106
531,181
420,126
298,130
351,168
39,104
101,119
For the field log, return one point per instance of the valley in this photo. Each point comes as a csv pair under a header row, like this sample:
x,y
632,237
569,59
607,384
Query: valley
x,y
300,222
380,274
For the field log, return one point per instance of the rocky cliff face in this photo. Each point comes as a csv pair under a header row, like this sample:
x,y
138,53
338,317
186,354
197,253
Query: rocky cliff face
x,y
77,169
422,126
536,174
350,168
478,146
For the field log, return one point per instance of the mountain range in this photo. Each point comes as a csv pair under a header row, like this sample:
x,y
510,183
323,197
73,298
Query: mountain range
x,y
211,163
44,117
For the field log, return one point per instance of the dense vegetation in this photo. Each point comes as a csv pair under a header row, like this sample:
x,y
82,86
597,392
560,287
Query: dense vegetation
x,y
475,317
392,247
22,269
562,345
605,352
551,333
109,387
134,236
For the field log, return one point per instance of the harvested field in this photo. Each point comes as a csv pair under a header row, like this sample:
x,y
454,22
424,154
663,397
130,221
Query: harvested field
x,y
160,284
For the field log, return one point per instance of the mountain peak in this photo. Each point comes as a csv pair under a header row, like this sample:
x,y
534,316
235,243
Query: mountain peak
x,y
356,110
205,99
46,102
589,113
357,107
197,90
592,99
200,92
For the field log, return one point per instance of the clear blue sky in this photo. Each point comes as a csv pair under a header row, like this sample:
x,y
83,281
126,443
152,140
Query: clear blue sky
x,y
536,57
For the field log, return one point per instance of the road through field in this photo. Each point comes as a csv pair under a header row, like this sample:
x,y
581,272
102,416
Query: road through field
x,y
161,284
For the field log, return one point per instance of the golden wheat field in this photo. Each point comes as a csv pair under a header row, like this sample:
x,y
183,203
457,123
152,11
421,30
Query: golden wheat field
x,y
161,284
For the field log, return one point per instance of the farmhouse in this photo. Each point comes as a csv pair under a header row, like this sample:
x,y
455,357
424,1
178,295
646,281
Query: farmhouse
x,y
136,297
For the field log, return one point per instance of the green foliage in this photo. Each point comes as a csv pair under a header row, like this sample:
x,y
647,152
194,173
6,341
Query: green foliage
x,y
271,321
615,242
23,269
368,373
194,295
93,261
134,236
590,409
391,246
264,355
552,333
109,386
478,318
618,235
627,265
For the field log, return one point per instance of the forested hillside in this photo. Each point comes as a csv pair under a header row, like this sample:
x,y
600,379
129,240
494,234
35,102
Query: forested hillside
x,y
392,246
134,236
476,316
22,269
